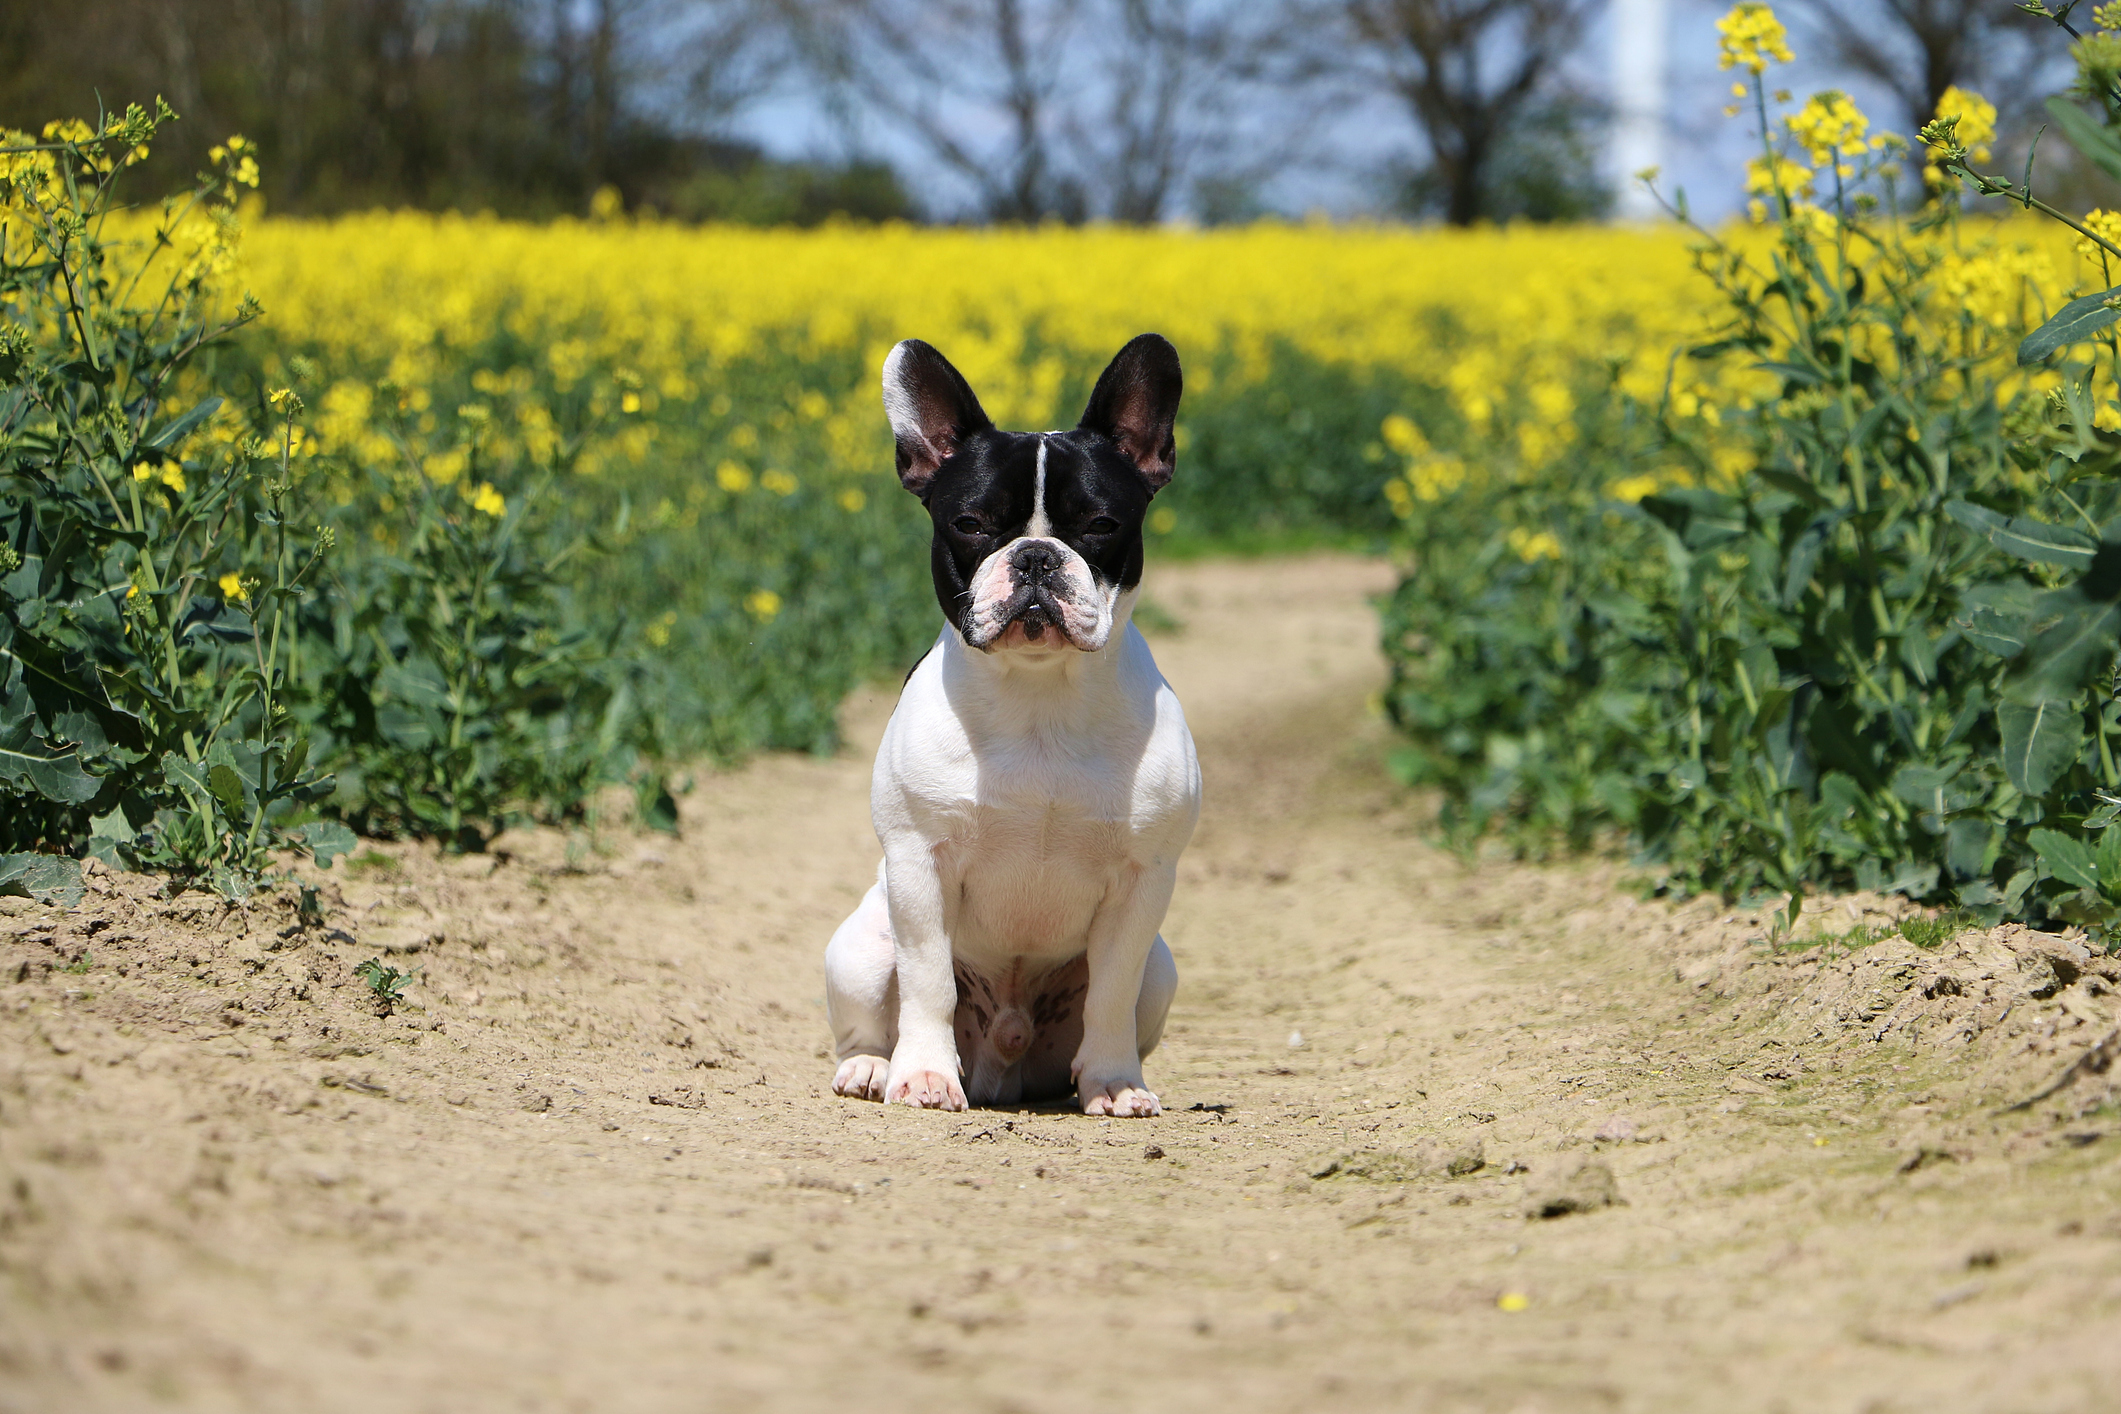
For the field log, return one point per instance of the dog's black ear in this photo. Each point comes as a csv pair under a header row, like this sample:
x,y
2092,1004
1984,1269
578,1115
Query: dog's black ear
x,y
932,409
1135,403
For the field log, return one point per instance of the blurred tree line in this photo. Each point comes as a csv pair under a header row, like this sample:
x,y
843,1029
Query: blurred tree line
x,y
522,107
1124,110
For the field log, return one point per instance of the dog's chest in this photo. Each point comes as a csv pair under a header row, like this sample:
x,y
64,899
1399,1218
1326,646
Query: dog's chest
x,y
1045,837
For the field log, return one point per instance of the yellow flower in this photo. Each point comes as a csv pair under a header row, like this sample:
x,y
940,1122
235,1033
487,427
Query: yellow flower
x,y
1163,520
658,632
233,587
1532,546
489,500
852,499
1632,488
1751,37
1512,1301
779,482
1402,436
630,402
732,478
172,476
762,604
1764,175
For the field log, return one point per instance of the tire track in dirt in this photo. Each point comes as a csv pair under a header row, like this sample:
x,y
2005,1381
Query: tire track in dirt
x,y
594,1164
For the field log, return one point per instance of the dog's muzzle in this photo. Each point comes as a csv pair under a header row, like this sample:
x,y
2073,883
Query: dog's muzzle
x,y
1031,587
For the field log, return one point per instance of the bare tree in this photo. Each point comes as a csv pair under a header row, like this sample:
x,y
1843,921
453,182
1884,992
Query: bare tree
x,y
1917,49
1050,107
709,59
1465,70
1183,81
942,70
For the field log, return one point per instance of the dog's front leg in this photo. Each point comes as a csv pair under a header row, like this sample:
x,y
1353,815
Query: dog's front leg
x,y
1108,1067
921,884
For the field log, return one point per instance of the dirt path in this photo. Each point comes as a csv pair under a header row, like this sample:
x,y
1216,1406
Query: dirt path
x,y
592,1162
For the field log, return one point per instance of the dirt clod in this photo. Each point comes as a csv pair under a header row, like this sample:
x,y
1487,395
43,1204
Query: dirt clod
x,y
1582,1187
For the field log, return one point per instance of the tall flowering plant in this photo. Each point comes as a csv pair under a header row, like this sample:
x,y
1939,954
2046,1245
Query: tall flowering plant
x,y
1778,651
152,543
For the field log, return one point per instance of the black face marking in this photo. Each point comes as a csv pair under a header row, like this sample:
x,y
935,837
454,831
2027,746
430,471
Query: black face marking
x,y
985,498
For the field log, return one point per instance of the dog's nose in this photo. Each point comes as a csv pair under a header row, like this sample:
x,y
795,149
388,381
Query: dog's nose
x,y
1035,561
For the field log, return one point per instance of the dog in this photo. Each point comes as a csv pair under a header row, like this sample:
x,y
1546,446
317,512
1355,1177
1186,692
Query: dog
x,y
1037,782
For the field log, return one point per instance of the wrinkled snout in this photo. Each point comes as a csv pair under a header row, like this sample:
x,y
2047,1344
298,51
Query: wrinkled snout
x,y
1030,586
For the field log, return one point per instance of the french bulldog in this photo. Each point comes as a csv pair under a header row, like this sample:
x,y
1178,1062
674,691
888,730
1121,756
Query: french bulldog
x,y
1036,783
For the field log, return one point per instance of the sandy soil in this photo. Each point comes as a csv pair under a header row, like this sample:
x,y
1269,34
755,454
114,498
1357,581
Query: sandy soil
x,y
1436,1137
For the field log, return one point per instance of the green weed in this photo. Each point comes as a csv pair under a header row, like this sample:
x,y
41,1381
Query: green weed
x,y
386,982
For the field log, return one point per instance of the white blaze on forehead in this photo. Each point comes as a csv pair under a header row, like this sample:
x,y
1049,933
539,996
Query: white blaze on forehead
x,y
1040,523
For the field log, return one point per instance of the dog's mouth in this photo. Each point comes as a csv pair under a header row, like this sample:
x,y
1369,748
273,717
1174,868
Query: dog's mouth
x,y
1034,621
1032,615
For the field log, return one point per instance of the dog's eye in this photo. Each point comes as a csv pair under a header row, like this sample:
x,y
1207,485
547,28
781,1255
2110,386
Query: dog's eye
x,y
966,525
1103,525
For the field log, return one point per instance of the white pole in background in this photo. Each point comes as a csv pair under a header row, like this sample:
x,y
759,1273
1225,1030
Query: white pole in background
x,y
1639,28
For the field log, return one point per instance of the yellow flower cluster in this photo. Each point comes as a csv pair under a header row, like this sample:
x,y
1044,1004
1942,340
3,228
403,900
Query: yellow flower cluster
x,y
1831,127
1750,37
2104,224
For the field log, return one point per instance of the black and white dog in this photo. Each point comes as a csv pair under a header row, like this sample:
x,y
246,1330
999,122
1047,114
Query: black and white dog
x,y
1037,782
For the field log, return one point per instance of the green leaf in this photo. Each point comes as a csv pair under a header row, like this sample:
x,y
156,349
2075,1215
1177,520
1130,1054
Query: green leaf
x,y
2045,544
1923,786
2081,630
2028,539
2075,322
2087,135
2066,858
174,433
1994,632
109,835
2108,858
1804,556
47,878
226,787
2040,742
187,776
1802,487
27,761
327,840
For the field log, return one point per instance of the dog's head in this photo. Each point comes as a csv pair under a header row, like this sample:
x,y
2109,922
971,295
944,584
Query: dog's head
x,y
1038,535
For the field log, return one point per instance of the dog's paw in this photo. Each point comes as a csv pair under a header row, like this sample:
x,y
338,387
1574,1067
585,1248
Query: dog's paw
x,y
861,1077
1120,1098
926,1090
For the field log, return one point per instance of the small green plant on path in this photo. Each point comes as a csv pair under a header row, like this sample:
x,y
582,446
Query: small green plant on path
x,y
386,982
